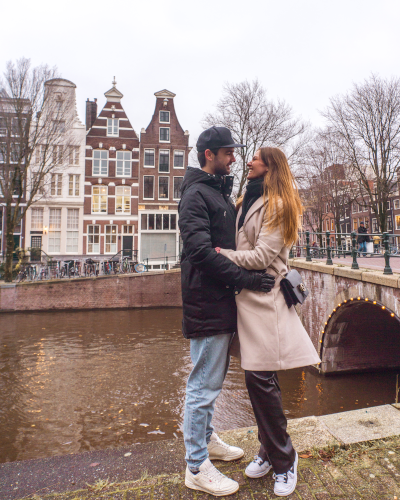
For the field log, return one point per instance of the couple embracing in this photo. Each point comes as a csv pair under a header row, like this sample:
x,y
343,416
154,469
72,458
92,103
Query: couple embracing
x,y
232,262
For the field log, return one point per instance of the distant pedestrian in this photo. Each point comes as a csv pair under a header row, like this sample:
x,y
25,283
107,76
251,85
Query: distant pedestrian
x,y
362,238
206,220
377,240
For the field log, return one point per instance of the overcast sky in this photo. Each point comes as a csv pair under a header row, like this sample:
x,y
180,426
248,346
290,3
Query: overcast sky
x,y
302,51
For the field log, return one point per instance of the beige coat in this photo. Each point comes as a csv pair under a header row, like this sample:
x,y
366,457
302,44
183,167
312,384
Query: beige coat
x,y
271,335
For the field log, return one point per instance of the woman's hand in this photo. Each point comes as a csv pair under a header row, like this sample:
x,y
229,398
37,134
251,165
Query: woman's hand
x,y
217,249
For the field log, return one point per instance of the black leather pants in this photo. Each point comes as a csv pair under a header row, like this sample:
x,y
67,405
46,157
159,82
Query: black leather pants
x,y
266,400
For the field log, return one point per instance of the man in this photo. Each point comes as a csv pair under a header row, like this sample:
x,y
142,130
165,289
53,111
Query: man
x,y
207,219
362,239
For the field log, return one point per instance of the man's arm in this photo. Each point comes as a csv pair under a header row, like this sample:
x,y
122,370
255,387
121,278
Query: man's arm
x,y
194,224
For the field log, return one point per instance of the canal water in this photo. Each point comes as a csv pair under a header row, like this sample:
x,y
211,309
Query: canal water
x,y
78,381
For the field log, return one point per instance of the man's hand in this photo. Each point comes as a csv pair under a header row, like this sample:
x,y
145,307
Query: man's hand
x,y
262,282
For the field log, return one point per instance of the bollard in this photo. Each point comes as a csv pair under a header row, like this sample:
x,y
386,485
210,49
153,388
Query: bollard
x,y
328,249
308,255
388,269
354,265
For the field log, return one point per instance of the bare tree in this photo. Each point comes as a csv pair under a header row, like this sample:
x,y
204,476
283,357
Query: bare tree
x,y
367,123
35,119
330,188
256,121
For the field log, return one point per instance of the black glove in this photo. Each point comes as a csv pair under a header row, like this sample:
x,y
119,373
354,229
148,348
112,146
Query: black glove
x,y
260,281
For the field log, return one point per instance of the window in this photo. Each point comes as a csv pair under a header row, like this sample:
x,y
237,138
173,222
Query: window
x,y
396,204
99,199
163,165
355,207
177,187
100,162
123,200
58,126
72,229
164,134
374,226
128,229
179,159
148,187
355,224
58,155
111,239
124,159
73,185
163,183
74,155
158,222
55,230
388,205
36,242
164,116
149,158
389,223
332,225
56,184
37,218
112,127
397,218
3,126
93,239
41,154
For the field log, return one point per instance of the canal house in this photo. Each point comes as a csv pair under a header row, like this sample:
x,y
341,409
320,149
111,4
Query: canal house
x,y
110,225
164,150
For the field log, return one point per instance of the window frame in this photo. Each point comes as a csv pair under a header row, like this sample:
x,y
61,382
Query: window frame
x,y
169,135
144,183
56,184
100,186
173,186
396,204
169,116
92,235
111,234
34,220
159,161
107,159
112,134
123,153
75,184
183,156
144,158
159,179
123,196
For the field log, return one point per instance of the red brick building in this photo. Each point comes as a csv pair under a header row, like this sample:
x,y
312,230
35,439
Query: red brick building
x,y
164,150
111,179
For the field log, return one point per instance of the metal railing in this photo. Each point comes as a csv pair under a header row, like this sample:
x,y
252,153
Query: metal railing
x,y
341,245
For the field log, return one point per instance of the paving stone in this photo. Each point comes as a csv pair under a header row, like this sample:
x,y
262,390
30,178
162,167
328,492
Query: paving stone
x,y
322,495
310,478
390,484
330,485
244,494
304,491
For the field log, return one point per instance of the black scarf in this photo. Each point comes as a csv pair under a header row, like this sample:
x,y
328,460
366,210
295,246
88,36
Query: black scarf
x,y
254,189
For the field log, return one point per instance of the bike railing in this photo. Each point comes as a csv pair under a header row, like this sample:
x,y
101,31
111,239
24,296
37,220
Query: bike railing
x,y
344,244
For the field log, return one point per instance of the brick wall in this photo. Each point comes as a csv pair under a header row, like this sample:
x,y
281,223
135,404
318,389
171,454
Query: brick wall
x,y
154,289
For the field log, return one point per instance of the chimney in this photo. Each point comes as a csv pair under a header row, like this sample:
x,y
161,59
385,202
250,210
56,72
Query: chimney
x,y
91,113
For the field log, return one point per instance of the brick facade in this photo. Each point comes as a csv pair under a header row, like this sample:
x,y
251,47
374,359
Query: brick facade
x,y
111,180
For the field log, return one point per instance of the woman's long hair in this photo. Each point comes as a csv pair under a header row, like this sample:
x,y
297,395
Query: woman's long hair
x,y
281,196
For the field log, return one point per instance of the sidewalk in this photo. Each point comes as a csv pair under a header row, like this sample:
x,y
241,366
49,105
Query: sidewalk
x,y
335,463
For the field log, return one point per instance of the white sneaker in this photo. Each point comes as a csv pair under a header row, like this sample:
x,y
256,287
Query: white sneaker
x,y
285,483
258,467
218,450
210,480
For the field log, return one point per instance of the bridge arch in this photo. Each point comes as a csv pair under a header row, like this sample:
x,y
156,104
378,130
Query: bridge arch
x,y
361,332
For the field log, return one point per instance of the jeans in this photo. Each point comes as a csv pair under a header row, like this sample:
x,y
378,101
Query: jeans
x,y
266,400
363,247
211,361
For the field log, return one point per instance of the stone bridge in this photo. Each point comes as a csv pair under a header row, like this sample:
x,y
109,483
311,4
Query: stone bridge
x,y
352,316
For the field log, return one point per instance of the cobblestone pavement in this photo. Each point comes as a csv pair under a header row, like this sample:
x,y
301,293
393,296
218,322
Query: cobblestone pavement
x,y
369,471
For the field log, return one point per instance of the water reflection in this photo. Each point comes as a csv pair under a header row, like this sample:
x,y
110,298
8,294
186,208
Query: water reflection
x,y
77,381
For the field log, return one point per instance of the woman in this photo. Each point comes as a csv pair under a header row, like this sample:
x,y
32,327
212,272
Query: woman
x,y
271,335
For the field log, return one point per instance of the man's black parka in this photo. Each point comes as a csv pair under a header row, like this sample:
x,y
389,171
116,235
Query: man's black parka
x,y
207,219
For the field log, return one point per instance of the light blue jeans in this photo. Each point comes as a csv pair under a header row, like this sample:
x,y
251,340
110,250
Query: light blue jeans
x,y
211,362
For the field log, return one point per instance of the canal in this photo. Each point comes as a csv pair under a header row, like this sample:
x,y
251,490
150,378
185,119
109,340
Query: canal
x,y
77,381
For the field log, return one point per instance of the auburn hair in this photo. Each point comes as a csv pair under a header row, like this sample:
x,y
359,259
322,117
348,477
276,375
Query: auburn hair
x,y
281,195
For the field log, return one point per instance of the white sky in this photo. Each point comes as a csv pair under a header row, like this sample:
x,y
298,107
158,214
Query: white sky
x,y
302,51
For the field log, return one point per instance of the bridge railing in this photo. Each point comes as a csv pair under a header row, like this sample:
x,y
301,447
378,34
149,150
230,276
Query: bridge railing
x,y
331,245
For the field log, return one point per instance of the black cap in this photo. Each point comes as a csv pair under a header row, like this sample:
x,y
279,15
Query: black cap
x,y
215,138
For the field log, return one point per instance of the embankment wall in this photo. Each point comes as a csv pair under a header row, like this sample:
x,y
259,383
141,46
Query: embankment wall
x,y
153,289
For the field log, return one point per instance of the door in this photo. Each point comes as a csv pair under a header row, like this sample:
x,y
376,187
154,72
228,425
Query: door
x,y
36,248
127,245
17,238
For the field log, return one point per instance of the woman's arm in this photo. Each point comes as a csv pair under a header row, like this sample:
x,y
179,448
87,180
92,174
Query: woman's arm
x,y
268,246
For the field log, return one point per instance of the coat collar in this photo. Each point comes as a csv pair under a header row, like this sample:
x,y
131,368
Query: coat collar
x,y
253,209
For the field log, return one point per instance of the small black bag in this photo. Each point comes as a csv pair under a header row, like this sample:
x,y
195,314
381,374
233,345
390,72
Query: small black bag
x,y
293,288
